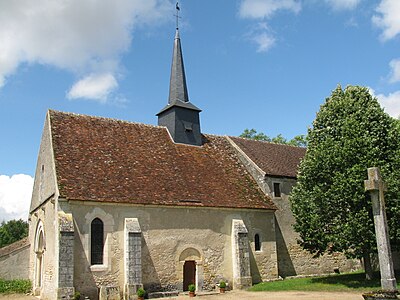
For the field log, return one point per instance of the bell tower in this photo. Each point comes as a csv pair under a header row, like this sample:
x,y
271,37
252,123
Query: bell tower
x,y
180,116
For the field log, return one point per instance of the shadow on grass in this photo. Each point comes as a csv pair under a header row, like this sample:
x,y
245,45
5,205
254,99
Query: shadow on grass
x,y
353,280
342,282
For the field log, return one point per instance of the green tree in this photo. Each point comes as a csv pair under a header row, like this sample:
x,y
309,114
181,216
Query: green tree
x,y
279,139
12,231
252,134
298,140
351,132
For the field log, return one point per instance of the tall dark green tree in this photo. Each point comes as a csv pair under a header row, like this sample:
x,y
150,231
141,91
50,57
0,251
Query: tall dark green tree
x,y
351,132
12,231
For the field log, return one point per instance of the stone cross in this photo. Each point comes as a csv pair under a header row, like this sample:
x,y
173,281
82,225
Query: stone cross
x,y
376,187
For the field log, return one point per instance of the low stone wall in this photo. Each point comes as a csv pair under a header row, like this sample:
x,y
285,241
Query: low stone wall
x,y
14,260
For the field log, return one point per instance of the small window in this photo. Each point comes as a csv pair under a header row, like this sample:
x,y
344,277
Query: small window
x,y
277,189
96,242
257,242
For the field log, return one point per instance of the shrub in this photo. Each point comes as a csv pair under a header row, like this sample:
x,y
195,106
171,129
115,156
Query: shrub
x,y
15,286
77,296
141,292
222,284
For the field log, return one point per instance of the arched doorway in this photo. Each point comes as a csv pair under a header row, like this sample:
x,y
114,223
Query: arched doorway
x,y
191,268
189,274
39,258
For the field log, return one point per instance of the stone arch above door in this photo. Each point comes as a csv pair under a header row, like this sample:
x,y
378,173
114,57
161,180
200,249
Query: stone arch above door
x,y
190,254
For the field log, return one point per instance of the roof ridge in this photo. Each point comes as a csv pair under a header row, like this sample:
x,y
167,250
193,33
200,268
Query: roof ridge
x,y
268,142
103,118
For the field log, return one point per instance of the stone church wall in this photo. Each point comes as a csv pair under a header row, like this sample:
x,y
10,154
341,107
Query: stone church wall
x,y
43,216
292,259
170,236
14,260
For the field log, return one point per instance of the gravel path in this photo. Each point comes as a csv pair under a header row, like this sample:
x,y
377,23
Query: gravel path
x,y
242,295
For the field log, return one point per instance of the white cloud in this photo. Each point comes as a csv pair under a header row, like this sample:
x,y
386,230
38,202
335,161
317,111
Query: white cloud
x,y
95,86
388,18
259,9
260,34
395,70
15,196
78,36
264,41
343,4
391,102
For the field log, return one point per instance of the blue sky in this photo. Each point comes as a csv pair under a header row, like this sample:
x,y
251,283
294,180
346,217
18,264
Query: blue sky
x,y
263,64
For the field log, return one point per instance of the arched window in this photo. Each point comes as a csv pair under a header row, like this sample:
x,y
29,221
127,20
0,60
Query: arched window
x,y
40,247
257,242
96,242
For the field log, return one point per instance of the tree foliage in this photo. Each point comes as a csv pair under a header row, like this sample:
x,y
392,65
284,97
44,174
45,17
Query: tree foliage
x,y
12,231
298,140
351,133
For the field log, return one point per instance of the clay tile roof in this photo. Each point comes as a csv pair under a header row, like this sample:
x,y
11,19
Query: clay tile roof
x,y
22,243
274,159
99,159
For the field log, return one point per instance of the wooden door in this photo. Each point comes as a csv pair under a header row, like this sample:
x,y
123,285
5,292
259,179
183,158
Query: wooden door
x,y
189,274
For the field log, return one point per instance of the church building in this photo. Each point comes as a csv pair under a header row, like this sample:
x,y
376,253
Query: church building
x,y
118,205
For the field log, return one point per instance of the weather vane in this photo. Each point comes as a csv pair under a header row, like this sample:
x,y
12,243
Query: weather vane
x,y
177,15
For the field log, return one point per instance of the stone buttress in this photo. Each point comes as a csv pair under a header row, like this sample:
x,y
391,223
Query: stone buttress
x,y
66,257
133,257
240,256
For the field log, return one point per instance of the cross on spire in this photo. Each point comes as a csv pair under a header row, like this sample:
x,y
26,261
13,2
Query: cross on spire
x,y
177,14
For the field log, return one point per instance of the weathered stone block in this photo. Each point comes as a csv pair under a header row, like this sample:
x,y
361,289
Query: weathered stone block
x,y
109,293
65,293
130,291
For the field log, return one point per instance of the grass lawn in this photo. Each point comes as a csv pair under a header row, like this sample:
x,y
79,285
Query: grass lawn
x,y
349,282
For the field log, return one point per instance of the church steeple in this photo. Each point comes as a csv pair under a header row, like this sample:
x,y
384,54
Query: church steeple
x,y
180,116
177,83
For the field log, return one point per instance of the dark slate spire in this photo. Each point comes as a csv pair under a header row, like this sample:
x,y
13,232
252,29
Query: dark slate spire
x,y
177,82
178,94
180,116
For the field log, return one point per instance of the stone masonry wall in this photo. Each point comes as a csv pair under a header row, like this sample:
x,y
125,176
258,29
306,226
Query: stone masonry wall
x,y
169,237
43,210
292,259
14,261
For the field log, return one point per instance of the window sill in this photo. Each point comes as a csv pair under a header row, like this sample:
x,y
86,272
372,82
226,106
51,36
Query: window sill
x,y
98,268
